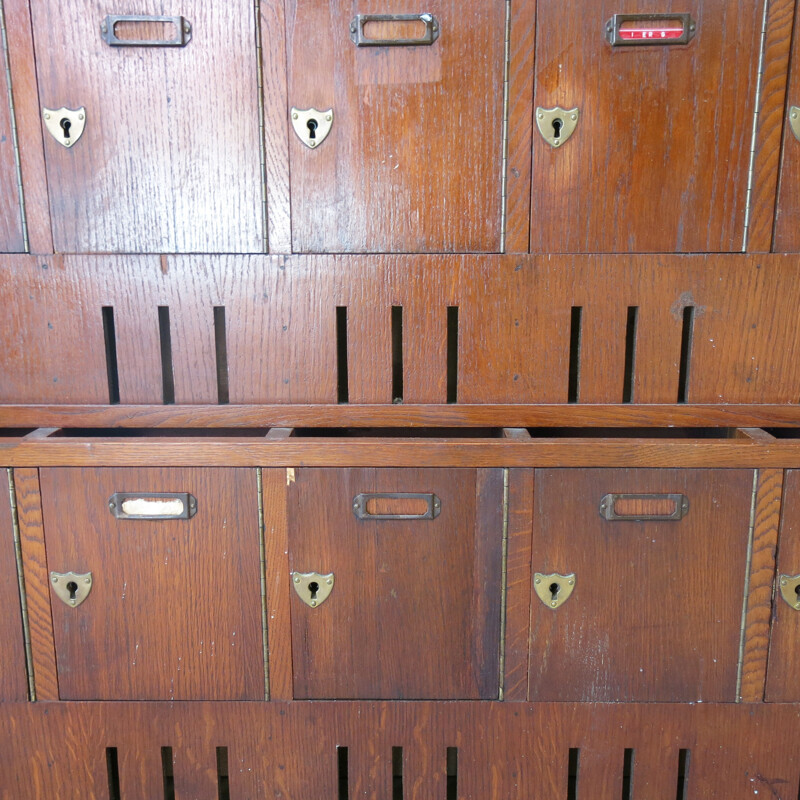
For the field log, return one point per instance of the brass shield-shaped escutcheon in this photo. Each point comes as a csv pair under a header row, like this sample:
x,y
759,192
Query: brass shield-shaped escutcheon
x,y
312,126
72,588
794,120
312,588
556,124
65,125
553,589
790,590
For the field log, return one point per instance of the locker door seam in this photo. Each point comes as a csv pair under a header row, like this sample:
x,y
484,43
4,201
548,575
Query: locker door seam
x,y
746,593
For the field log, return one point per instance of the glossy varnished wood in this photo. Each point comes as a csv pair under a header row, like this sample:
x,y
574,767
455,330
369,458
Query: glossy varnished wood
x,y
415,608
413,160
654,164
169,160
656,610
175,606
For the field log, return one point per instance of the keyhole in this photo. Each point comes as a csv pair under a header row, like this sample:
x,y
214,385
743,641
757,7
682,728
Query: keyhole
x,y
65,126
554,590
313,587
72,588
558,124
312,128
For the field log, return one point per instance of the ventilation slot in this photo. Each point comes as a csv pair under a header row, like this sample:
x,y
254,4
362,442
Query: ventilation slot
x,y
452,354
686,354
397,773
630,354
221,350
683,774
344,789
397,354
342,390
110,338
627,775
167,377
223,783
572,773
452,773
166,771
112,769
574,381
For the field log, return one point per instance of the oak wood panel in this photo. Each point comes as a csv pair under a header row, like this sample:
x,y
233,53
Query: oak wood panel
x,y
290,748
37,582
388,177
771,116
766,521
11,234
787,211
638,625
175,606
167,162
415,607
13,674
637,175
518,584
782,682
29,124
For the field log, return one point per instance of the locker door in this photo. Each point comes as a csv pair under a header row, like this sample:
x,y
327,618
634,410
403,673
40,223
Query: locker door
x,y
787,222
783,676
174,609
413,158
659,159
169,157
11,238
655,611
414,607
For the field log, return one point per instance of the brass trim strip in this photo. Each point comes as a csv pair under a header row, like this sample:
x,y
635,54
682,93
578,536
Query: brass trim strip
x,y
748,566
263,561
751,171
261,128
504,586
23,597
14,132
504,165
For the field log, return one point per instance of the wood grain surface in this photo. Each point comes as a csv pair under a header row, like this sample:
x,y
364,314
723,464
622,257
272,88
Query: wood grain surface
x,y
11,233
656,611
413,160
175,606
504,749
415,606
13,673
653,164
169,160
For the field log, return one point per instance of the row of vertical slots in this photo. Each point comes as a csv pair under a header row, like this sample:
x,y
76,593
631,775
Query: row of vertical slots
x,y
342,380
342,763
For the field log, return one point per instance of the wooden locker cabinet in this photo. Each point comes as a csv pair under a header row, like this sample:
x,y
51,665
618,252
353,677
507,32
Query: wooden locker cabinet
x,y
656,610
660,158
415,608
174,611
169,159
413,159
787,212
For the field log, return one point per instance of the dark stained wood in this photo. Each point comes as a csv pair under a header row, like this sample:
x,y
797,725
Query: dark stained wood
x,y
168,161
29,124
655,614
13,674
787,211
771,116
11,233
37,583
766,521
413,160
782,682
518,584
642,173
289,749
443,573
175,606
274,484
